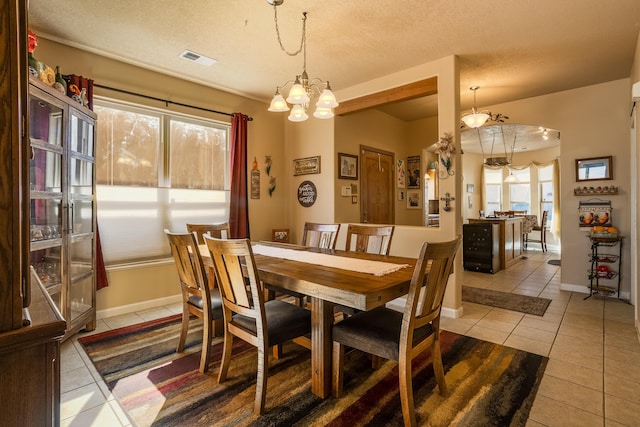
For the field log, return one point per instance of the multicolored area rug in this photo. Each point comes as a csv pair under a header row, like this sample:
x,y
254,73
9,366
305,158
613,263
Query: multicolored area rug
x,y
506,300
489,384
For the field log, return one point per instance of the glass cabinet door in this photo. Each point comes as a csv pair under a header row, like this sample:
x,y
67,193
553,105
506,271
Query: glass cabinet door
x,y
46,177
82,214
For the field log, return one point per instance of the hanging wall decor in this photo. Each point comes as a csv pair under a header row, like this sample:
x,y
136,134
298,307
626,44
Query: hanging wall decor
x,y
401,170
445,149
413,171
307,193
255,180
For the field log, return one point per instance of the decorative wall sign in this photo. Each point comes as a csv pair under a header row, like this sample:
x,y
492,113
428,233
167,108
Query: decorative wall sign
x,y
306,166
413,171
307,194
255,180
594,213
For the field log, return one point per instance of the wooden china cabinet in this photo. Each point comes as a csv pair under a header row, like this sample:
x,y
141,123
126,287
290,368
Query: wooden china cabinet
x,y
31,327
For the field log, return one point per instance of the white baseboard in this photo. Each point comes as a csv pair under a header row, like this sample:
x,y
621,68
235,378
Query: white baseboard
x,y
574,288
131,308
453,313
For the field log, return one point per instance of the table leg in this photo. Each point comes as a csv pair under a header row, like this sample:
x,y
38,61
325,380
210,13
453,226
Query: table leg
x,y
321,347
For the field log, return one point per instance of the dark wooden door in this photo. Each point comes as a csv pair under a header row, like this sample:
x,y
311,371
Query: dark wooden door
x,y
377,177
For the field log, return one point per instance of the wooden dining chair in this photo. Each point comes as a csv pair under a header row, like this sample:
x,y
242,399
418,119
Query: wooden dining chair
x,y
369,238
198,298
542,229
219,231
398,336
246,314
320,235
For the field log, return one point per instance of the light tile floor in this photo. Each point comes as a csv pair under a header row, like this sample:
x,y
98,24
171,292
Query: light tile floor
x,y
592,378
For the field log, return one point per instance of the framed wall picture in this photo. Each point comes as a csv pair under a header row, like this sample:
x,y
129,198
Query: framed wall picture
x,y
414,200
306,166
401,170
594,168
280,235
413,172
347,166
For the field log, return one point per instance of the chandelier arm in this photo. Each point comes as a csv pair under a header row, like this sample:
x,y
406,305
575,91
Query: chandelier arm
x,y
480,141
302,40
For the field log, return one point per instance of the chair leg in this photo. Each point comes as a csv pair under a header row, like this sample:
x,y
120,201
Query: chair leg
x,y
438,369
338,360
277,351
184,330
261,380
207,335
406,392
226,355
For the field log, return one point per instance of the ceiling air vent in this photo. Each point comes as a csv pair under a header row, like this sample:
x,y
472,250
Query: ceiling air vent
x,y
196,57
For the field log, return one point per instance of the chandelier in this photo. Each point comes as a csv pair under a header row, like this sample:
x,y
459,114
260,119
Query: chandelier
x,y
476,118
303,90
498,160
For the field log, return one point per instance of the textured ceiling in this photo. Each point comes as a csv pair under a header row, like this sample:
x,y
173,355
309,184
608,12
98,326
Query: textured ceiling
x,y
511,49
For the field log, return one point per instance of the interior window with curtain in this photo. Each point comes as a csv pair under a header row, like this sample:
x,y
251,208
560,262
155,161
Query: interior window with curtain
x,y
155,170
545,179
520,191
493,190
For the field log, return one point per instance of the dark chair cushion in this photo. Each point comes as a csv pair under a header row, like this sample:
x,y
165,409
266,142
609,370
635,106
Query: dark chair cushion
x,y
376,332
216,303
284,321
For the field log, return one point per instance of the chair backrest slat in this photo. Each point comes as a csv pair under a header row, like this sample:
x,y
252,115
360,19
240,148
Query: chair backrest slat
x,y
438,258
545,216
188,263
231,259
320,235
369,238
219,231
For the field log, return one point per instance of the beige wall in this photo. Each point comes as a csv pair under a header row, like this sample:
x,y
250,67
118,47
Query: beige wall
x,y
593,121
136,287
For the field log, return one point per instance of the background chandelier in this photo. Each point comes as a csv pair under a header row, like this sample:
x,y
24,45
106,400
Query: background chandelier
x,y
475,119
303,89
499,160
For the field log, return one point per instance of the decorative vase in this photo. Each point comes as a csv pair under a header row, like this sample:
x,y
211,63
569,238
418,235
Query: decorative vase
x,y
34,66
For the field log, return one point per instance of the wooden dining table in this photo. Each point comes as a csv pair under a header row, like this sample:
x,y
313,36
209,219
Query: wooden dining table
x,y
328,286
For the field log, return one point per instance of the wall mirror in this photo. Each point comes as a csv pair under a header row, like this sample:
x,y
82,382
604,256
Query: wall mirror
x,y
594,168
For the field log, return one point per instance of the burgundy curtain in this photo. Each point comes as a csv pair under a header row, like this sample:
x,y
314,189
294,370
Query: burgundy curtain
x,y
239,207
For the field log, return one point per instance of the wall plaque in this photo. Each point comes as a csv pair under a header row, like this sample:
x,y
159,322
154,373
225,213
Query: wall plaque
x,y
307,194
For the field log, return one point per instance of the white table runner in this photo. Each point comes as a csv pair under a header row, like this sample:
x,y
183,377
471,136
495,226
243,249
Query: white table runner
x,y
377,268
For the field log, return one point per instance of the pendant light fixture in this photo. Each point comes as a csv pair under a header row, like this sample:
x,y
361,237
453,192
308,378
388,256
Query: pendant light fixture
x,y
303,90
475,119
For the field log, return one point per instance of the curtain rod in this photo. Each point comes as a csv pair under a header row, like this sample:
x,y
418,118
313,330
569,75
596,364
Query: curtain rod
x,y
166,101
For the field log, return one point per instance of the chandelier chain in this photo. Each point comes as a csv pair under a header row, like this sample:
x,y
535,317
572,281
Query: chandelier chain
x,y
302,40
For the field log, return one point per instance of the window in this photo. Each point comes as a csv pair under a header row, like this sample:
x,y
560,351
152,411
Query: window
x,y
493,190
545,178
156,170
520,192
